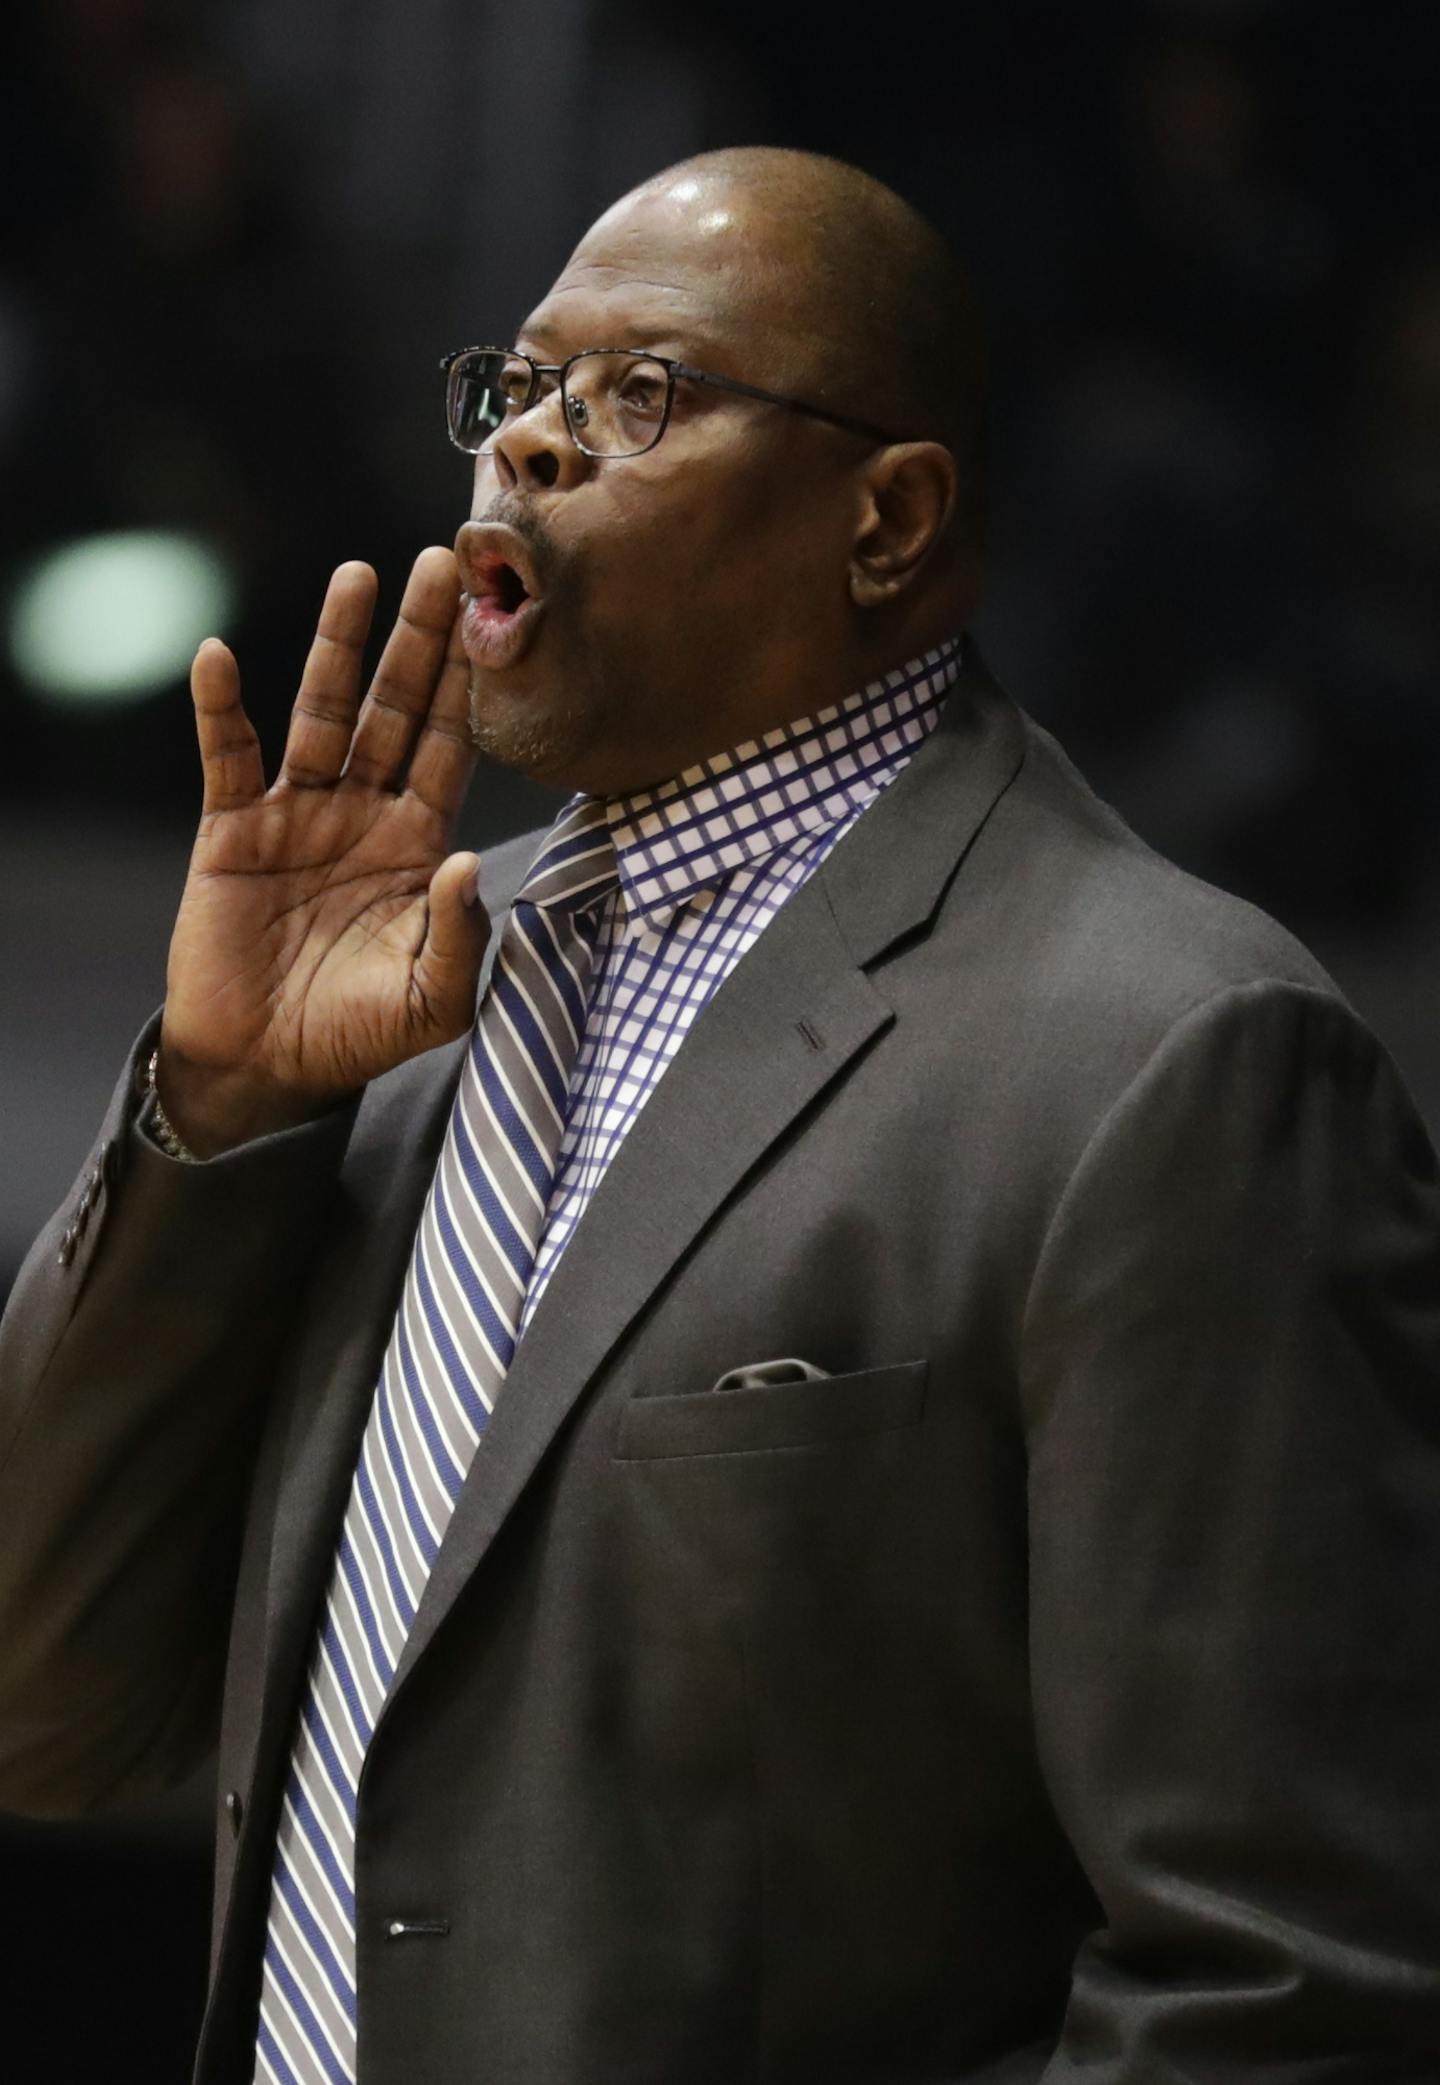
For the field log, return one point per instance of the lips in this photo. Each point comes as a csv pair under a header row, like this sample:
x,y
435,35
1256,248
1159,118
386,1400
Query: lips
x,y
503,606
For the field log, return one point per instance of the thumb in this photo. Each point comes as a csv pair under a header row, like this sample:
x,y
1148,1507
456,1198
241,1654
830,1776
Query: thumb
x,y
448,965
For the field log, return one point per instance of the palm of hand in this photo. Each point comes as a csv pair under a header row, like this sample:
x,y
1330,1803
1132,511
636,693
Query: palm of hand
x,y
295,951
325,935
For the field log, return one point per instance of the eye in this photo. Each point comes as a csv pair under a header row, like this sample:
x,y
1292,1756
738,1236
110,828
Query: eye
x,y
641,390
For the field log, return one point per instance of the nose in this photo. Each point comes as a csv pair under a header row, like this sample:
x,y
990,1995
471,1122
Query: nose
x,y
534,453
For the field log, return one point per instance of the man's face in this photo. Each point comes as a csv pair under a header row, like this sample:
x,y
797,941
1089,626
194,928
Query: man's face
x,y
692,596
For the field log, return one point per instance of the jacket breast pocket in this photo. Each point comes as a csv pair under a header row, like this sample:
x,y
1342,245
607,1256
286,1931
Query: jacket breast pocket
x,y
762,1418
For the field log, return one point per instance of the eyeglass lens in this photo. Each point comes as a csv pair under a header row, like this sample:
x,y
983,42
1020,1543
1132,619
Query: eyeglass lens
x,y
615,401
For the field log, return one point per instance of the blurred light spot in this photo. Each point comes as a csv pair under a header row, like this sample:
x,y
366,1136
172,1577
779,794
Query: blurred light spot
x,y
116,617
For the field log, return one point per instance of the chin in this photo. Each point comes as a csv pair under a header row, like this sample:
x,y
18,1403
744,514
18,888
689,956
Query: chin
x,y
540,739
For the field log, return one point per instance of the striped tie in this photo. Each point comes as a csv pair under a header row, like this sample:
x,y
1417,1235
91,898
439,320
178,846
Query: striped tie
x,y
450,1347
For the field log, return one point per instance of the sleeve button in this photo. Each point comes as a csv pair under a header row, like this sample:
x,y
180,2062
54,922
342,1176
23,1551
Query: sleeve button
x,y
235,1810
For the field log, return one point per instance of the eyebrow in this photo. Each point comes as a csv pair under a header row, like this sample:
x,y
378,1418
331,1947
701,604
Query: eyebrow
x,y
640,336
543,330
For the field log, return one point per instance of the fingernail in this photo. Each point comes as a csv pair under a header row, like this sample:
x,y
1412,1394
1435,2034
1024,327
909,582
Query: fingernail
x,y
471,891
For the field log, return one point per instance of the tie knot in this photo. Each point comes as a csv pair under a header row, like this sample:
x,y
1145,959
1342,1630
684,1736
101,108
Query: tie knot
x,y
576,866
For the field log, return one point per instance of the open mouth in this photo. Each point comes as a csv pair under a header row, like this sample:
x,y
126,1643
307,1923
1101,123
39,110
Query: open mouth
x,y
502,607
499,589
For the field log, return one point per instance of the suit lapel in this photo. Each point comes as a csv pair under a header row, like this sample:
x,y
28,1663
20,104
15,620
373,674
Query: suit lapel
x,y
338,1365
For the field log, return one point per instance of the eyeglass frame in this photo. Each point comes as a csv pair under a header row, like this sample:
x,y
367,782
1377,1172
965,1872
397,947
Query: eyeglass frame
x,y
672,369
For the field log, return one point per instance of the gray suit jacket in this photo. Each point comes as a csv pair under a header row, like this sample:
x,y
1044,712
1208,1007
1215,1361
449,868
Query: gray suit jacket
x,y
1050,1689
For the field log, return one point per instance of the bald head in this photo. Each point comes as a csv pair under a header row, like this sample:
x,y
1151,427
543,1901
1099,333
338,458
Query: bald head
x,y
854,299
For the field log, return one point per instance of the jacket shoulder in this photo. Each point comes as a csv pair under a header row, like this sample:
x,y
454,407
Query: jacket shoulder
x,y
1091,903
1067,952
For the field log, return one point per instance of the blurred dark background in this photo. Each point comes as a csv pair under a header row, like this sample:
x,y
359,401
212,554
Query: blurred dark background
x,y
234,241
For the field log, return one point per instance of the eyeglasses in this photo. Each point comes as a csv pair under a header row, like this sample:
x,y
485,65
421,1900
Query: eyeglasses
x,y
615,401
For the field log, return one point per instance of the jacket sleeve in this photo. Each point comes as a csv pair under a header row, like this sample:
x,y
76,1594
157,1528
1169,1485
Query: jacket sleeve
x,y
135,1357
1232,1372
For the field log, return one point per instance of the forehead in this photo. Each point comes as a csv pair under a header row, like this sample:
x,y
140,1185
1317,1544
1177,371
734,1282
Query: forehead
x,y
673,267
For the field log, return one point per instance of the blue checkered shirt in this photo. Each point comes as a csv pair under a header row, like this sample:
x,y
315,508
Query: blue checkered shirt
x,y
706,861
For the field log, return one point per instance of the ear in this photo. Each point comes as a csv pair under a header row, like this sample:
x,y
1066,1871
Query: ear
x,y
907,496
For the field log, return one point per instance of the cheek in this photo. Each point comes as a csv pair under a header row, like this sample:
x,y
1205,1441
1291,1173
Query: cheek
x,y
694,532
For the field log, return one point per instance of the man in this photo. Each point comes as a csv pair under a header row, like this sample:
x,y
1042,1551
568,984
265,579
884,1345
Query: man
x,y
847,1487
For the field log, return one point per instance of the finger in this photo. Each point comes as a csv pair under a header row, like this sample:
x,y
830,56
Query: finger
x,y
323,718
444,757
447,969
230,762
405,679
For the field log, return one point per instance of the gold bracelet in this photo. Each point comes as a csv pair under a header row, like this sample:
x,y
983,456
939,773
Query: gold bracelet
x,y
161,1128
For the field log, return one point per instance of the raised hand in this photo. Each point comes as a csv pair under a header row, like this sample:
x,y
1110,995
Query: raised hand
x,y
325,933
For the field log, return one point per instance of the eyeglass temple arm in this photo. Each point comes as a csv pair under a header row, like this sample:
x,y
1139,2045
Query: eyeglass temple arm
x,y
795,405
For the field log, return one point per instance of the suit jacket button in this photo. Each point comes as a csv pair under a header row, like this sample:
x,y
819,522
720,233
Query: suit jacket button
x,y
67,1246
236,1811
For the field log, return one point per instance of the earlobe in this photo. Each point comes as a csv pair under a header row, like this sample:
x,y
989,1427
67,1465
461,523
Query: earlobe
x,y
868,589
909,498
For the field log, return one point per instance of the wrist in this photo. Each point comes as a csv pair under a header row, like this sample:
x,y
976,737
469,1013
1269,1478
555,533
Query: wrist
x,y
208,1112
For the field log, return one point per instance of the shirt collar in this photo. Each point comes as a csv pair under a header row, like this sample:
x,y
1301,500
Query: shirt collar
x,y
685,835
